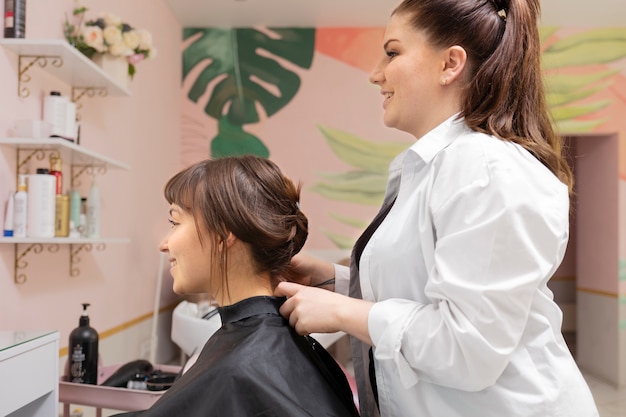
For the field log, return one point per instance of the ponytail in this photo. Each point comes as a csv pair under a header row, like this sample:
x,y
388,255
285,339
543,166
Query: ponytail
x,y
505,94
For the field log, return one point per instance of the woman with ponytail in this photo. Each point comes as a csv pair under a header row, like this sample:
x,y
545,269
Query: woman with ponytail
x,y
447,297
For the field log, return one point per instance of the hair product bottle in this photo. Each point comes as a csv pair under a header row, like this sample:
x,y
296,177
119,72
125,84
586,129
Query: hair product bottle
x,y
56,165
62,216
55,111
14,18
83,352
93,211
75,205
20,210
41,204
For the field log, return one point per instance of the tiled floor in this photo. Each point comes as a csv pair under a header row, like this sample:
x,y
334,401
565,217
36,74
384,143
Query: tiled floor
x,y
611,401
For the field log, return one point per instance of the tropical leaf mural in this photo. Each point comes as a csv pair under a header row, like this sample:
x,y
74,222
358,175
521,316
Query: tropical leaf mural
x,y
574,74
243,70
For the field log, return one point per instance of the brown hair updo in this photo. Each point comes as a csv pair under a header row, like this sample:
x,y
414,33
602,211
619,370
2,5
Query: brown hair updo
x,y
249,197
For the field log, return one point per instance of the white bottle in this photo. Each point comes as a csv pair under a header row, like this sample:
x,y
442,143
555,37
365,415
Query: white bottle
x,y
41,204
20,213
93,211
55,108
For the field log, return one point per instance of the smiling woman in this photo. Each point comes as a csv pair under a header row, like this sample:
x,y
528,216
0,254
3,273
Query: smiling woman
x,y
236,224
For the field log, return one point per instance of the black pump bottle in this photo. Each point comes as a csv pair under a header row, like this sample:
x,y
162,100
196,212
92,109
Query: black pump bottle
x,y
83,352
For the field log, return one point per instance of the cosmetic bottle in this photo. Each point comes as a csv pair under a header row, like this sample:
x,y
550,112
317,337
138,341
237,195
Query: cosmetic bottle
x,y
14,18
56,165
57,110
93,211
20,209
41,204
62,215
83,352
82,223
75,202
8,216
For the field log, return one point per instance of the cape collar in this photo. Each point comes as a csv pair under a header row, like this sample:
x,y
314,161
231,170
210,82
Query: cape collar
x,y
249,307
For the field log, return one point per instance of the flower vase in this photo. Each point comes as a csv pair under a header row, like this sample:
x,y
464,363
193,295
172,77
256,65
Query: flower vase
x,y
115,67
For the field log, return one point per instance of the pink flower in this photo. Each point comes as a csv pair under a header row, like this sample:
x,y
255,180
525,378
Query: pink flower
x,y
135,59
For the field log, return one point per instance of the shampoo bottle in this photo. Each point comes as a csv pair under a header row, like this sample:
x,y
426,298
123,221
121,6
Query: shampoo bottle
x,y
20,209
41,204
83,352
55,108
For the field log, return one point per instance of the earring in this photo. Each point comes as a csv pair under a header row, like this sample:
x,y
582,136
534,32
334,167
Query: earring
x,y
444,81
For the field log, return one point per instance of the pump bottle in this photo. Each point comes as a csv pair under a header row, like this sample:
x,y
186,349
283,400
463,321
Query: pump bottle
x,y
83,352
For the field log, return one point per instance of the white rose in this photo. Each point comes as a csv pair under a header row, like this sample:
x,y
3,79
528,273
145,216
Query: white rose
x,y
119,49
112,35
152,52
111,20
92,35
145,39
131,39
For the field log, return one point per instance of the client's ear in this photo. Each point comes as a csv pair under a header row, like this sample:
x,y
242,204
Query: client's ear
x,y
229,241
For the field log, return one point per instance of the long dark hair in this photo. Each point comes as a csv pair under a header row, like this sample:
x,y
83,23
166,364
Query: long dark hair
x,y
249,197
505,95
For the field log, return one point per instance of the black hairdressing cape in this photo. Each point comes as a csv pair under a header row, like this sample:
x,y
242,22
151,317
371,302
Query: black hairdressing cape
x,y
256,365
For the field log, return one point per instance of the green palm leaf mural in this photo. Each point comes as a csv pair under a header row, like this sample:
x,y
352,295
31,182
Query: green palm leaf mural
x,y
569,96
243,71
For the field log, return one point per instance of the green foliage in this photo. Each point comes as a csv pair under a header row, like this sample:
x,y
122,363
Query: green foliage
x,y
243,71
584,52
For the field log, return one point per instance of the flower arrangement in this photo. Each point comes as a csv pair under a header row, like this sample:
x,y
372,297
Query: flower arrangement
x,y
108,34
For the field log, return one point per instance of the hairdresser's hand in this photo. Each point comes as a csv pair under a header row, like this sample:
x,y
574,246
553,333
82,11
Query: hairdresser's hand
x,y
313,310
307,270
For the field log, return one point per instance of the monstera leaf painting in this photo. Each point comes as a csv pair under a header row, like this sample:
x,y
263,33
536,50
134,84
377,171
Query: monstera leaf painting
x,y
242,69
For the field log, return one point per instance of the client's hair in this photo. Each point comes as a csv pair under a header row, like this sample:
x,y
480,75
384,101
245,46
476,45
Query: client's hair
x,y
249,197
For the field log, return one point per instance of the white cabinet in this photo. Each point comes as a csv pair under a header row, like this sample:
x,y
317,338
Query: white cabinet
x,y
60,59
29,365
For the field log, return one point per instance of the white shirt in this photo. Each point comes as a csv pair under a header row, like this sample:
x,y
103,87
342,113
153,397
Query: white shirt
x,y
464,323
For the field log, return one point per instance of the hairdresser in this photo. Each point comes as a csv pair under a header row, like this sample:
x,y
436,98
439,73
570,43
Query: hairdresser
x,y
446,297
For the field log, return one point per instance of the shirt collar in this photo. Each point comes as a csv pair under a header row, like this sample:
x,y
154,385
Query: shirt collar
x,y
429,145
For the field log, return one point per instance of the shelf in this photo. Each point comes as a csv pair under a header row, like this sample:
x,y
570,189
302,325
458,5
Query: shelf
x,y
31,245
64,240
74,68
69,152
123,399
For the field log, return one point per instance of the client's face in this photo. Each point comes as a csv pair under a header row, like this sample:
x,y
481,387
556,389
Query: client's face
x,y
190,262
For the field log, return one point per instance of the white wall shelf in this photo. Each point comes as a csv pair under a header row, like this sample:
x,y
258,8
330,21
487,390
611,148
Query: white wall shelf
x,y
69,152
81,160
63,61
65,240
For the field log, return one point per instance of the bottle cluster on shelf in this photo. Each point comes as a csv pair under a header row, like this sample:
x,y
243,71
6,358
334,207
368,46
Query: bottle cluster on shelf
x,y
40,209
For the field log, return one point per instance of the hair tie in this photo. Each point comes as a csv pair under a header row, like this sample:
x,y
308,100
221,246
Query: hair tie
x,y
500,7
